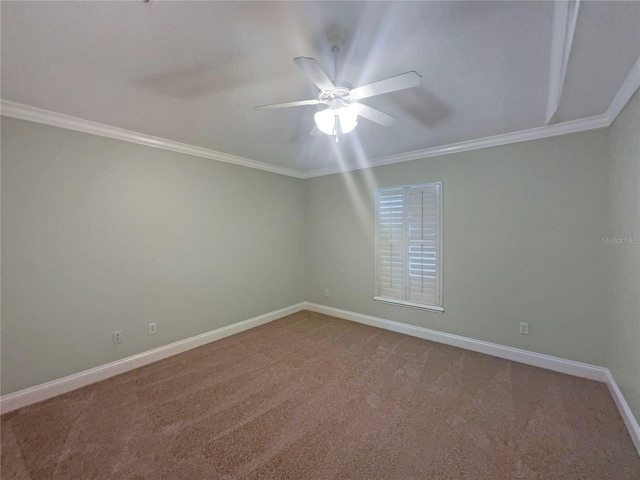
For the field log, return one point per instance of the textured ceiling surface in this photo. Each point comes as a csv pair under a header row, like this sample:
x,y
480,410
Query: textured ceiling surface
x,y
192,71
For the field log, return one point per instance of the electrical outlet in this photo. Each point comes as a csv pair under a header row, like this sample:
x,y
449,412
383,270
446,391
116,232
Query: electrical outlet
x,y
524,328
117,337
326,292
153,328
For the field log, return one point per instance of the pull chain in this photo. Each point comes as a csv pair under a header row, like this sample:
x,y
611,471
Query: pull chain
x,y
335,51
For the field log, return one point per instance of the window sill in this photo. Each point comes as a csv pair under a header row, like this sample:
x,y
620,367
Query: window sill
x,y
404,303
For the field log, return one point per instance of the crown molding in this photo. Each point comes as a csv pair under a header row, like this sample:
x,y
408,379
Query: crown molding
x,y
626,91
47,117
622,97
573,126
565,16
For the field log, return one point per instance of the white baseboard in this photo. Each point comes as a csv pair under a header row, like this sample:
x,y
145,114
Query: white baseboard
x,y
51,389
578,369
625,411
515,354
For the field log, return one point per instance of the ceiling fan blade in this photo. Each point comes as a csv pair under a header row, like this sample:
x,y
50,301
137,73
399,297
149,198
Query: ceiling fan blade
x,y
399,82
287,104
372,114
314,71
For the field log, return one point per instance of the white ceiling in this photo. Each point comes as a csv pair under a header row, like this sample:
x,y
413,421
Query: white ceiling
x,y
191,72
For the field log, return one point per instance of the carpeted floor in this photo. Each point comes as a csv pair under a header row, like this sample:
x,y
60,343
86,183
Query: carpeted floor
x,y
314,397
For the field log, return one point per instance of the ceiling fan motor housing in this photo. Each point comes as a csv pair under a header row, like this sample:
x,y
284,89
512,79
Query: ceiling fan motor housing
x,y
339,94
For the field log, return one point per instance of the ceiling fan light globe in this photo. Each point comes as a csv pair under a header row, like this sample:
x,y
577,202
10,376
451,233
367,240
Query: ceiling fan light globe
x,y
326,121
348,120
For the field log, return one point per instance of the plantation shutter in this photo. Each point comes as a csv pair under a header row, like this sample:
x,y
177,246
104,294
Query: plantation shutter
x,y
391,240
423,221
408,252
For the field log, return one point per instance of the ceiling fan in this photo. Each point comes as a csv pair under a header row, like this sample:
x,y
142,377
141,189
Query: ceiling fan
x,y
343,103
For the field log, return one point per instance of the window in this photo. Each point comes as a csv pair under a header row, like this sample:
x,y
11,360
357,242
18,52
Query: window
x,y
409,246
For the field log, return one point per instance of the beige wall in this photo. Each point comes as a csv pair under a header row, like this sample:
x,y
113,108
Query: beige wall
x,y
101,235
623,259
522,243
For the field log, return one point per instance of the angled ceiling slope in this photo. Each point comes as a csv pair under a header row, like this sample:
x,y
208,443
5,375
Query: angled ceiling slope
x,y
185,76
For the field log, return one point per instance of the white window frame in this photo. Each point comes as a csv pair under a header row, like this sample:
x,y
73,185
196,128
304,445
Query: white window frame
x,y
437,306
